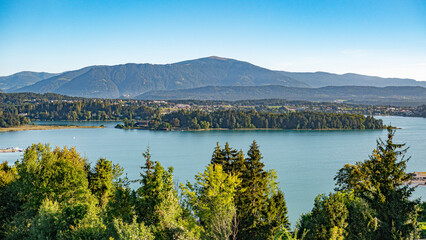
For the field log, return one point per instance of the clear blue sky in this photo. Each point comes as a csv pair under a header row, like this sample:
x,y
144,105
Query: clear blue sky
x,y
383,38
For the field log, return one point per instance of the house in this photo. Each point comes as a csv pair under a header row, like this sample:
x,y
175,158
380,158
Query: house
x,y
142,123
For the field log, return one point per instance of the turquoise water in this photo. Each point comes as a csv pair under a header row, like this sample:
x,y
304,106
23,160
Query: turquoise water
x,y
306,161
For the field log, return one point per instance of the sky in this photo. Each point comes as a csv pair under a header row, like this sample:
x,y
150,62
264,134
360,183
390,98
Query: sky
x,y
384,38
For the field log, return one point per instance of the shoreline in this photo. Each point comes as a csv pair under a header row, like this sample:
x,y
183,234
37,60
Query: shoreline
x,y
248,129
43,127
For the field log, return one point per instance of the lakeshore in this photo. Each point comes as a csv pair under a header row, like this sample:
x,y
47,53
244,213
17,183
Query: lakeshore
x,y
43,127
243,129
291,152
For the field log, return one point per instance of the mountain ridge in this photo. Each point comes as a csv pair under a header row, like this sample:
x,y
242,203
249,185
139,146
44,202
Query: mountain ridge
x,y
323,79
133,79
397,95
22,79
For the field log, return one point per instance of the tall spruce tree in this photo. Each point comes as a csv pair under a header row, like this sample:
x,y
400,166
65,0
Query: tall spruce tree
x,y
158,204
380,181
252,201
225,157
101,181
217,156
261,208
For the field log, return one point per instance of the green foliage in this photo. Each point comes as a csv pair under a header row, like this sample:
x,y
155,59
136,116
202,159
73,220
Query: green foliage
x,y
55,194
7,174
9,117
121,205
45,223
212,201
380,182
131,231
157,204
284,234
338,215
260,205
49,197
58,175
101,180
422,220
48,107
232,119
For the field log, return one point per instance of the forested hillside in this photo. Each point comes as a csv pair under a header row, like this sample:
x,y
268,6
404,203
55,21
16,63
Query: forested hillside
x,y
131,80
134,79
400,96
324,79
22,79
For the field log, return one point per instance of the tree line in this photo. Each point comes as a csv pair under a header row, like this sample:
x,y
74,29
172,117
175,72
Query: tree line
x,y
21,108
9,117
420,111
234,119
57,194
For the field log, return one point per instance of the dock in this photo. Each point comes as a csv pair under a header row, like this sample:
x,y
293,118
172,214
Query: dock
x,y
418,179
11,150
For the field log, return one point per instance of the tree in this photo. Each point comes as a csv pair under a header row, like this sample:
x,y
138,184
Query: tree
x,y
212,201
8,201
251,201
59,175
157,203
101,180
52,198
339,215
261,208
204,125
175,122
131,231
380,181
7,174
225,157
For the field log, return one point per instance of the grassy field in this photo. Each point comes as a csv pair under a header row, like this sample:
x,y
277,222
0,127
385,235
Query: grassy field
x,y
42,127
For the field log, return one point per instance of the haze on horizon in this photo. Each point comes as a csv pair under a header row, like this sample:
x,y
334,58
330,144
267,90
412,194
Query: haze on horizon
x,y
385,38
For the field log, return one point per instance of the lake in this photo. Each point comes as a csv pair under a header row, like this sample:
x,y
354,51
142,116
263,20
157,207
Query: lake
x,y
306,161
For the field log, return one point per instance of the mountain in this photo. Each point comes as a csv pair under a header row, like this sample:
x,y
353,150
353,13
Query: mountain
x,y
323,79
134,79
355,94
22,79
130,80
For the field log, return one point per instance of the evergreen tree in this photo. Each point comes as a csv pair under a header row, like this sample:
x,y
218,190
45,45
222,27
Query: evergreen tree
x,y
380,181
261,208
225,157
157,204
217,156
252,200
339,215
101,181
